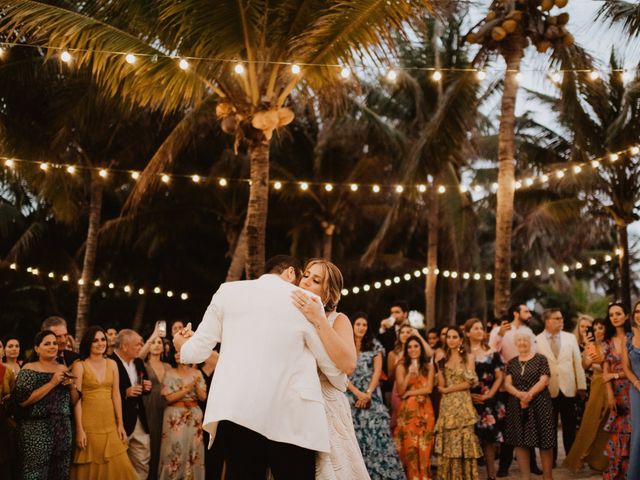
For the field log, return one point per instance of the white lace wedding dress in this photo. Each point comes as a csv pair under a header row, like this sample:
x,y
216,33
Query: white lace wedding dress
x,y
344,462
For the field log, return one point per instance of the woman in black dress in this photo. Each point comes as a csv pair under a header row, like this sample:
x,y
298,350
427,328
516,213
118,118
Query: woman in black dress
x,y
529,407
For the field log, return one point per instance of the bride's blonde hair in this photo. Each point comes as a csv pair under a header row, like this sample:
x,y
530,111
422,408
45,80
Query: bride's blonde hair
x,y
332,283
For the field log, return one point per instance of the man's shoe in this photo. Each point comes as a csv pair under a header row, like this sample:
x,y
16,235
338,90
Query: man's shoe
x,y
502,473
535,470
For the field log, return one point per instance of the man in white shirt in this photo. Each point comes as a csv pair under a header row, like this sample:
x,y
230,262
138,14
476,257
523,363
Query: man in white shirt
x,y
567,374
265,396
503,340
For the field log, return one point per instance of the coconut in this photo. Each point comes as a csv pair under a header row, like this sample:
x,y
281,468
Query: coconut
x,y
498,33
471,38
491,15
266,120
515,15
285,116
224,109
552,32
229,124
563,18
543,45
546,5
509,26
552,21
561,3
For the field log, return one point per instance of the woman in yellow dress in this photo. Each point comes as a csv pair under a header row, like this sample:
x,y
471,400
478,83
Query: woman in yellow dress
x,y
457,446
591,439
101,441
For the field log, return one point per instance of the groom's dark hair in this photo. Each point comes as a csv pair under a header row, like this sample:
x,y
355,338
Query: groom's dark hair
x,y
280,263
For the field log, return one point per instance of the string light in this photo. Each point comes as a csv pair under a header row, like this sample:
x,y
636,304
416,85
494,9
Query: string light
x,y
354,187
375,188
345,72
328,187
295,69
71,169
165,178
277,185
135,175
65,56
442,189
304,186
44,166
437,76
130,58
594,75
183,64
9,163
481,75
223,182
239,68
614,157
399,189
392,75
195,178
103,173
634,150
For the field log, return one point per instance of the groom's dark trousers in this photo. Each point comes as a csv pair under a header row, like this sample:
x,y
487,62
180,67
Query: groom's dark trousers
x,y
249,454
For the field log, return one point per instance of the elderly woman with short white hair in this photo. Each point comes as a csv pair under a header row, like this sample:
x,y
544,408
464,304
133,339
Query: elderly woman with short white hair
x,y
529,408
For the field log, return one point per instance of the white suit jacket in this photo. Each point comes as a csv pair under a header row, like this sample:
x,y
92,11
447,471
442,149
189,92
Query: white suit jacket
x,y
567,374
267,376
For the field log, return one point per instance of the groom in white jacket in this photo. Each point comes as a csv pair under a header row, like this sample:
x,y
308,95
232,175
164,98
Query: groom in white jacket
x,y
265,395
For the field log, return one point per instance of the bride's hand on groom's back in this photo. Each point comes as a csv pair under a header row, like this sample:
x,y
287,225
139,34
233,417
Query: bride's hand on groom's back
x,y
310,307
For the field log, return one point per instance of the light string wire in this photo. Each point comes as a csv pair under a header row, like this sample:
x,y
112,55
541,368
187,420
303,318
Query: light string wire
x,y
543,178
478,276
96,283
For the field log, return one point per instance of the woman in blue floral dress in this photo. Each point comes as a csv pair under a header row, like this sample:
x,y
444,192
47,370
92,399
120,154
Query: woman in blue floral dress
x,y
370,416
490,407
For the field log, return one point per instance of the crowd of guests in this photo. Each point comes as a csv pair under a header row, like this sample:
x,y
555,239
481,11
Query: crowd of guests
x,y
423,406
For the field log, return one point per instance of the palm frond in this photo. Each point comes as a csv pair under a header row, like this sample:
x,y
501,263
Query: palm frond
x,y
619,12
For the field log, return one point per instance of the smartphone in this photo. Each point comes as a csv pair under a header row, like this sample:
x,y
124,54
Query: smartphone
x,y
590,332
161,327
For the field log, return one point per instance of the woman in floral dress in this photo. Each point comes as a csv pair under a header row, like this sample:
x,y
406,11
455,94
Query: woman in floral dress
x,y
182,447
489,405
414,431
619,423
457,446
370,416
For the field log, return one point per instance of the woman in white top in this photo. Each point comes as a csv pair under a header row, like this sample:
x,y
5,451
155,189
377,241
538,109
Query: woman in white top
x,y
323,278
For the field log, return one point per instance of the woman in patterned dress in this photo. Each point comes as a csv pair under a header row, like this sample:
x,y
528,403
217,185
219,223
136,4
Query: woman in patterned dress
x,y
101,441
457,446
182,447
344,461
394,360
489,405
619,423
414,431
370,416
529,408
45,394
631,366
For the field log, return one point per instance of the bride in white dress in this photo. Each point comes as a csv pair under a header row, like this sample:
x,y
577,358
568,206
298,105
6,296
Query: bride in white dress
x,y
323,278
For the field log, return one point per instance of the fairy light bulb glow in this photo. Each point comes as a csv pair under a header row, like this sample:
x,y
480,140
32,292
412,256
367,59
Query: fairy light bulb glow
x,y
223,182
595,164
183,64
9,163
345,72
238,68
103,173
422,188
354,187
65,57
277,185
304,186
594,75
375,189
44,167
577,169
481,75
295,69
442,189
130,58
437,76
634,150
328,187
399,189
135,175
392,75
614,157
165,178
559,174
71,169
195,178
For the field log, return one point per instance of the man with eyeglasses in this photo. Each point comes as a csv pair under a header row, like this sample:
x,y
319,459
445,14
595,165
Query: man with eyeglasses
x,y
58,326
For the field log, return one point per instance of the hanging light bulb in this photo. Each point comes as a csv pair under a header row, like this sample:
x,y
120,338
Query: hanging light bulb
x,y
65,57
44,166
399,189
9,163
595,164
437,76
328,187
304,186
239,68
392,75
277,185
556,77
481,75
103,173
375,189
634,150
71,169
422,188
354,187
577,169
223,182
614,157
442,189
295,69
135,175
183,64
345,72
165,178
195,178
130,58
594,75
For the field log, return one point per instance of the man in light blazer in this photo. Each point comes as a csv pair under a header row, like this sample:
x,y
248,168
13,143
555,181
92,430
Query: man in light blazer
x,y
265,396
567,375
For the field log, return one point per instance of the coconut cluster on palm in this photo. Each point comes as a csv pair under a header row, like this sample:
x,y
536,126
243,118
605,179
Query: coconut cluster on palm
x,y
530,19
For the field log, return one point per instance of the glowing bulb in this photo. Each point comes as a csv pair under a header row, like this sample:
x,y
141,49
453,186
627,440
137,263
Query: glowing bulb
x,y
618,251
165,178
607,258
9,163
528,182
44,166
195,178
355,290
183,64
377,285
595,164
157,290
71,169
417,273
399,189
538,272
442,189
65,278
476,276
295,69
345,72
466,275
65,57
223,182
345,292
97,283
239,68
328,187
396,279
594,75
518,77
141,291
517,185
375,189
525,274
488,276
111,285
392,75
13,266
135,175
513,275
556,77
559,174
592,261
130,58
577,169
407,277
354,187
422,188
634,150
366,288
578,265
544,178
184,296
51,275
277,185
81,282
480,75
425,270
103,173
565,268
437,76
127,288
304,186
551,271
613,157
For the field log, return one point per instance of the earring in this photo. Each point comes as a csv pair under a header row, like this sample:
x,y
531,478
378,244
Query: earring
x,y
461,349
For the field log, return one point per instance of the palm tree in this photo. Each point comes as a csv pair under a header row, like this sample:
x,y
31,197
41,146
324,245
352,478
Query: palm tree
x,y
266,37
507,29
625,14
602,117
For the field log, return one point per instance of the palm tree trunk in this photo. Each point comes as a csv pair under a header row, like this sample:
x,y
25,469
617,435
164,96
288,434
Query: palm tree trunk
x,y
139,315
327,239
623,263
239,258
432,259
506,178
90,251
256,223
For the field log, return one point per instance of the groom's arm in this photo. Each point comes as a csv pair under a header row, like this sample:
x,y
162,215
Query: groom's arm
x,y
337,378
198,348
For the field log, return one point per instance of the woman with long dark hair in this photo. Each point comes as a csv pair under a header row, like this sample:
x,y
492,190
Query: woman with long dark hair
x,y
394,360
12,353
414,432
618,389
631,367
101,441
370,416
45,393
457,446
